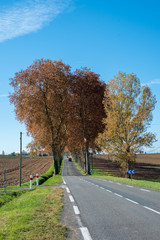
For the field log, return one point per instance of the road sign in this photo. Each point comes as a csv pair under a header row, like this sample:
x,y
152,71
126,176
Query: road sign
x,y
131,171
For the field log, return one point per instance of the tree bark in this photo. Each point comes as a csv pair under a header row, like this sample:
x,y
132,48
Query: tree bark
x,y
56,163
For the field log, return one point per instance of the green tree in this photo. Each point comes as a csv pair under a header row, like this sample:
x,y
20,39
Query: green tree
x,y
128,108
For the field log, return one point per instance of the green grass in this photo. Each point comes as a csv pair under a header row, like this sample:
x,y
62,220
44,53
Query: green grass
x,y
33,215
9,196
55,180
44,177
150,184
79,168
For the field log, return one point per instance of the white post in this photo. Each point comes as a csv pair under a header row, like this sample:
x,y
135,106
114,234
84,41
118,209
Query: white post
x,y
31,178
37,179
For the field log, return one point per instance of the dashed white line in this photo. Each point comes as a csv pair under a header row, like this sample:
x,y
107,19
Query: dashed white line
x,y
129,186
67,189
110,181
131,201
117,195
108,190
151,209
102,188
118,183
85,233
145,190
76,210
71,198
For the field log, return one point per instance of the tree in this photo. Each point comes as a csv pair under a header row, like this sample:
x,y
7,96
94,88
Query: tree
x,y
86,112
40,98
129,112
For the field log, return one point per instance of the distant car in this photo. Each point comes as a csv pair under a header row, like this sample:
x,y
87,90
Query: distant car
x,y
70,159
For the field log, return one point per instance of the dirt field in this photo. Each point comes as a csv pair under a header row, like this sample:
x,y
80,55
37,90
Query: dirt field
x,y
147,165
30,166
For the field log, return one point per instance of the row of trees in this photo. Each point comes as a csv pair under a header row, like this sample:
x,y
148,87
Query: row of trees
x,y
61,108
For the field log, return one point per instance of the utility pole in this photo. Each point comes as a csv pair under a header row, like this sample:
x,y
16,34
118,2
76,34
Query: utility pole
x,y
20,163
87,160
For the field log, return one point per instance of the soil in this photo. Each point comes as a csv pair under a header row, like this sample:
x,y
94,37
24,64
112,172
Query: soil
x,y
30,166
147,166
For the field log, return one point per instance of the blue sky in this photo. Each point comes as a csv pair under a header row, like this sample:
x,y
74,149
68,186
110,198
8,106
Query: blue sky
x,y
105,36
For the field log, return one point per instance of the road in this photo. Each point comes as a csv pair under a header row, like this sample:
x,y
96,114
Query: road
x,y
105,210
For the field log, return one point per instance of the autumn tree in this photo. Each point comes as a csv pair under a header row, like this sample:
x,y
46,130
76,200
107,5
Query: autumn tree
x,y
129,112
86,112
40,98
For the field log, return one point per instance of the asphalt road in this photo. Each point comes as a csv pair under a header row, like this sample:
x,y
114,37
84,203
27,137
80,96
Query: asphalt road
x,y
107,210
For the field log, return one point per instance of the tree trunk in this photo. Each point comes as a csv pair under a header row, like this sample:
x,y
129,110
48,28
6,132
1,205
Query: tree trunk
x,y
60,159
56,163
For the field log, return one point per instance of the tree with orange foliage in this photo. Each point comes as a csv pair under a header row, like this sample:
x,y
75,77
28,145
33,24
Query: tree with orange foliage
x,y
40,98
86,112
129,113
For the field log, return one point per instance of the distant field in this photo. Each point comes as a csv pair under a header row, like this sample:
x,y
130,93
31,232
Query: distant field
x,y
30,166
147,165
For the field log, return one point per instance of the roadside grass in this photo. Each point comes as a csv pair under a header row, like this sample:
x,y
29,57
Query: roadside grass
x,y
33,215
150,184
9,196
55,180
79,168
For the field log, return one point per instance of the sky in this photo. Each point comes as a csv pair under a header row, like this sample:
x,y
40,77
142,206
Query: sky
x,y
105,36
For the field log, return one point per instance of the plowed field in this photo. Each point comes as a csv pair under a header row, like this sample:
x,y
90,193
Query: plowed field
x,y
147,166
30,166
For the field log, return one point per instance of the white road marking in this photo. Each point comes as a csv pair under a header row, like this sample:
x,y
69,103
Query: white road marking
x,y
145,190
110,181
118,183
108,190
102,188
129,186
117,195
79,221
131,201
76,210
85,233
67,189
151,209
64,181
71,198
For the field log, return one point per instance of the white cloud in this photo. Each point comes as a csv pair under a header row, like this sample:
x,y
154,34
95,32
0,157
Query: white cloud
x,y
4,95
28,16
153,82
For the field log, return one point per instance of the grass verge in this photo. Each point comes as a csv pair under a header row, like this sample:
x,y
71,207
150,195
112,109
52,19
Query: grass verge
x,y
9,196
55,180
79,168
33,215
150,184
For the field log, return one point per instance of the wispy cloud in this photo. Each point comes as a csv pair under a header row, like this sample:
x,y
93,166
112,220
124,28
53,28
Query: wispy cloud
x,y
27,16
4,95
153,82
